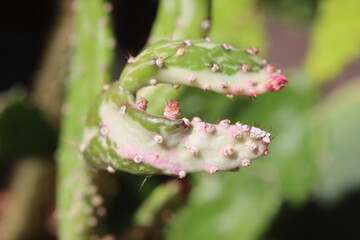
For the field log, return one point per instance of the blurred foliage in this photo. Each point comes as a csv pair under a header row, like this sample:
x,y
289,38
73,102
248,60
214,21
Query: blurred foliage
x,y
23,130
335,41
291,10
336,122
237,23
240,206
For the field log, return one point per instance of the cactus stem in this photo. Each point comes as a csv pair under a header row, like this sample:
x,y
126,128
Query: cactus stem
x,y
108,7
205,25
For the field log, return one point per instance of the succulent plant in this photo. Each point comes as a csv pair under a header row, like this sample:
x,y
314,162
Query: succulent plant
x,y
121,135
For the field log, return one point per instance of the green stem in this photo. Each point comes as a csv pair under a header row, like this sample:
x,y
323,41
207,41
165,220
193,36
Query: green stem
x,y
92,55
176,19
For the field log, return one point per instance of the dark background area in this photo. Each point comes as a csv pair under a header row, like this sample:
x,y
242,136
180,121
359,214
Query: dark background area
x,y
24,28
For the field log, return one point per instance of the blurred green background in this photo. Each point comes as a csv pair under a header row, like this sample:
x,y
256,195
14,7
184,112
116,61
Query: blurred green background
x,y
308,187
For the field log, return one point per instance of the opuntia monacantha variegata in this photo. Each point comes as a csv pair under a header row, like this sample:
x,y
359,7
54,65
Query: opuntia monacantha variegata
x,y
121,135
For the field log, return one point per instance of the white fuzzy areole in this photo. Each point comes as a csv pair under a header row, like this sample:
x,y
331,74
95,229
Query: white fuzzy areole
x,y
237,84
172,155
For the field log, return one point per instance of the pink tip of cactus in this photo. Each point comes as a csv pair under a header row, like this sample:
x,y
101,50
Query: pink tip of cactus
x,y
141,103
278,82
172,109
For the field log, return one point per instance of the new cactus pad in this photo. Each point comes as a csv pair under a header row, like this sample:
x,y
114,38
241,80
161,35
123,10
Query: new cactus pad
x,y
121,135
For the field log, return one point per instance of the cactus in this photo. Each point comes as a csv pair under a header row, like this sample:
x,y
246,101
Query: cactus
x,y
121,135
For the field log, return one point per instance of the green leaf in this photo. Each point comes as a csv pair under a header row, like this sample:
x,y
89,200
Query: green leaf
x,y
338,136
228,206
23,130
335,41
